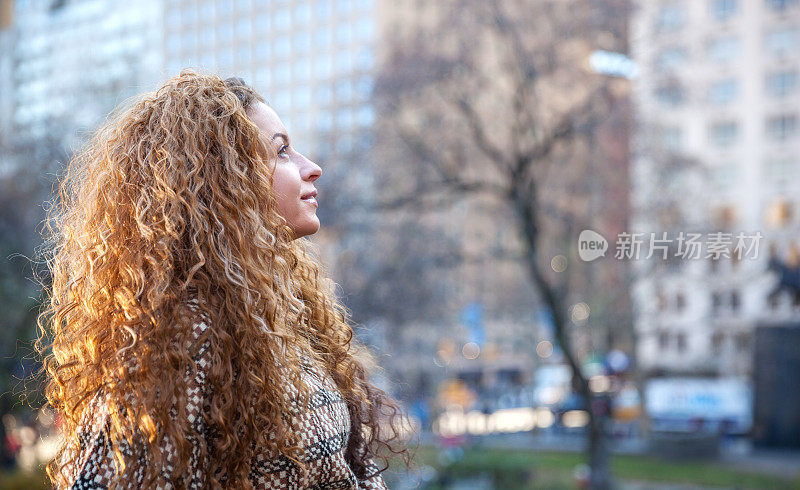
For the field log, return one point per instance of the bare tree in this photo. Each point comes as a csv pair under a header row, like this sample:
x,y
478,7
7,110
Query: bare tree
x,y
494,100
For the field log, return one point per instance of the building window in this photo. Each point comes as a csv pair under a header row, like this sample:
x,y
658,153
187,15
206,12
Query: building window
x,y
717,339
280,47
782,127
173,19
736,300
781,169
302,98
344,118
225,33
207,39
670,94
262,51
225,58
302,121
725,176
364,140
723,91
207,12
671,59
282,19
281,74
680,302
344,144
190,16
302,42
716,299
781,83
672,139
243,52
173,44
344,62
365,116
343,33
663,340
283,101
243,27
724,49
780,5
324,122
302,70
322,66
364,87
671,17
723,133
323,95
783,41
323,38
322,9
723,9
365,28
742,342
681,341
263,20
302,14
189,40
365,59
344,90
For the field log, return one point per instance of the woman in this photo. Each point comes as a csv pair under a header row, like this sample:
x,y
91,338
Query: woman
x,y
195,343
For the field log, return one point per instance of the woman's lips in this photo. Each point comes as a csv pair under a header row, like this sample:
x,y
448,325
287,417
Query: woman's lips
x,y
311,197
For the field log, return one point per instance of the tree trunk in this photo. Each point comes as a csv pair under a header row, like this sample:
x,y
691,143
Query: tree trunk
x,y
596,407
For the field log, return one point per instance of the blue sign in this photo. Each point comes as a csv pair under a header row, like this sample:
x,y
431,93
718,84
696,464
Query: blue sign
x,y
472,319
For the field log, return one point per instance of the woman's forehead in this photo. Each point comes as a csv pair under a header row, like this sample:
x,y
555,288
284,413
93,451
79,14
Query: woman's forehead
x,y
266,119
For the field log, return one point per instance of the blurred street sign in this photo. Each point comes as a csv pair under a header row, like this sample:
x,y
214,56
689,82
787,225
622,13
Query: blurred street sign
x,y
472,319
709,399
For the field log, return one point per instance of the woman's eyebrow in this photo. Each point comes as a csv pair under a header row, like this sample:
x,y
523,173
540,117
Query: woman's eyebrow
x,y
280,135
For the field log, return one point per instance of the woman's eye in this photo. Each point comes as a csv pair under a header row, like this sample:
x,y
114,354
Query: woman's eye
x,y
282,151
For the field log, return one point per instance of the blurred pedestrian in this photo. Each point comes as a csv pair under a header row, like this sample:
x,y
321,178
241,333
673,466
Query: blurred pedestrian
x,y
196,341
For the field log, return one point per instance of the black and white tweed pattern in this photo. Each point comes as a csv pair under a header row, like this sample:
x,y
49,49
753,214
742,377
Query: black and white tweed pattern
x,y
323,432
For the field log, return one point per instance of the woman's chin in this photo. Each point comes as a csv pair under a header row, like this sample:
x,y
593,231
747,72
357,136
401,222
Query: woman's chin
x,y
306,229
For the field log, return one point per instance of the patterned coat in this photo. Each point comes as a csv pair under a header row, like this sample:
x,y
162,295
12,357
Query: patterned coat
x,y
324,431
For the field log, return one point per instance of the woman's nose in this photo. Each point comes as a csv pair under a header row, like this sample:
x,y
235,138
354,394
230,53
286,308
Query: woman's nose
x,y
311,171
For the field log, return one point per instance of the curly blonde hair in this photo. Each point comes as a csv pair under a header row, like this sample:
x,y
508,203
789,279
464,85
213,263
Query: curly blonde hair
x,y
172,202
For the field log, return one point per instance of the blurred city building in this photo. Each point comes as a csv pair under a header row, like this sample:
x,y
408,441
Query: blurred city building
x,y
6,77
718,150
66,64
312,60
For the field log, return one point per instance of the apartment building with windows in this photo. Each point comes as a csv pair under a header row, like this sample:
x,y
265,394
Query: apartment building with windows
x,y
718,101
68,63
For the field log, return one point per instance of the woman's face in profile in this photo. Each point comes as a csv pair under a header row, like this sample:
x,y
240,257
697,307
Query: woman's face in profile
x,y
294,174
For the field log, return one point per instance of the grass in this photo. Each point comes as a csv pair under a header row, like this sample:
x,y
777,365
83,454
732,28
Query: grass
x,y
525,469
21,480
